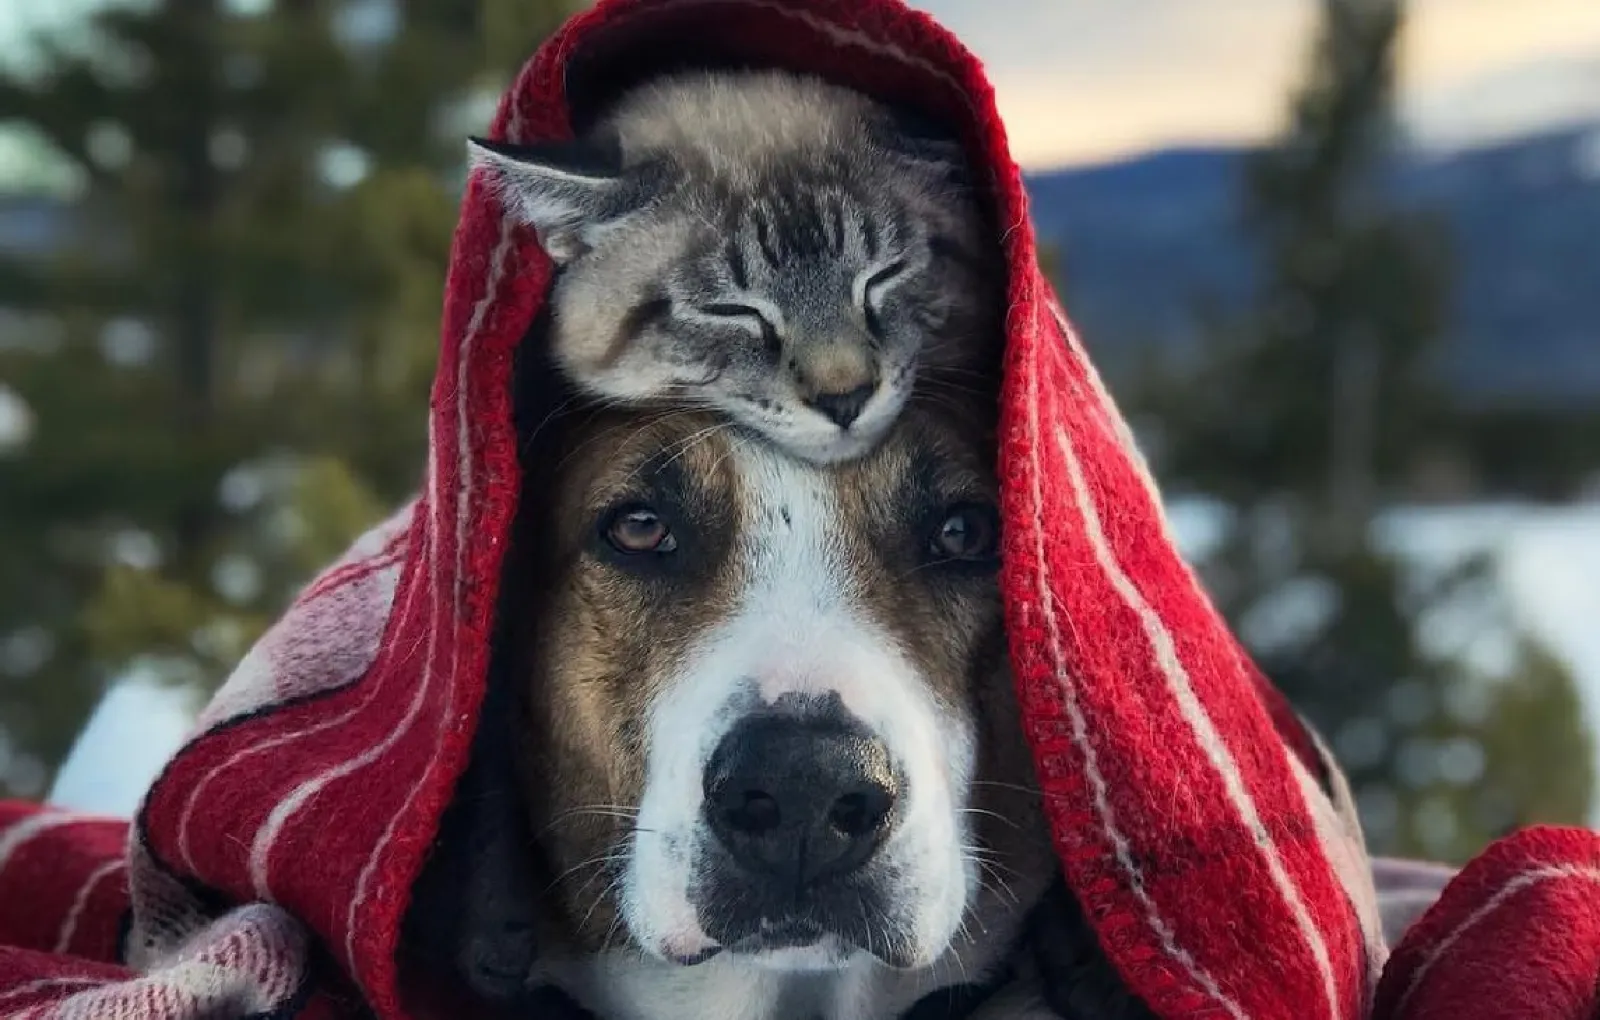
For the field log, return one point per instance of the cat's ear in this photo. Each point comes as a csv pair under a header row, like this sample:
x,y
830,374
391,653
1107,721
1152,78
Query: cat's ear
x,y
921,144
569,192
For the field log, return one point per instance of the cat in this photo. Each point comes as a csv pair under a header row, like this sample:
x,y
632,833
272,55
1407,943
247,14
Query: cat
x,y
779,248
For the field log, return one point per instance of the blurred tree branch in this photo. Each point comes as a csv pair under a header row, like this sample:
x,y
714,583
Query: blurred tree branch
x,y
1305,417
226,351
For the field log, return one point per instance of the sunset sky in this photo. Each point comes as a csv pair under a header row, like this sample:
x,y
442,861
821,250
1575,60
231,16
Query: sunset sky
x,y
1082,80
1085,80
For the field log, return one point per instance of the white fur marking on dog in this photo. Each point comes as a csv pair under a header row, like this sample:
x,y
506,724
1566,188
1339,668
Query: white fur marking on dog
x,y
623,985
799,628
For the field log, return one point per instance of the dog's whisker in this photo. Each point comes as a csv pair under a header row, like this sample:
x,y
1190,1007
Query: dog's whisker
x,y
616,811
616,915
991,871
610,856
997,816
1031,791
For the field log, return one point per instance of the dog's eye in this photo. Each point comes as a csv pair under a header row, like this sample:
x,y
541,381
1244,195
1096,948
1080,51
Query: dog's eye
x,y
638,529
969,531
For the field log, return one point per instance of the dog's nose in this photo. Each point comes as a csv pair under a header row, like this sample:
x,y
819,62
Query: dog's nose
x,y
800,800
843,408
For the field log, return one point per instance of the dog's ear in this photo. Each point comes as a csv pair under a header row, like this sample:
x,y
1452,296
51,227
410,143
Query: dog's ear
x,y
473,909
1079,983
569,192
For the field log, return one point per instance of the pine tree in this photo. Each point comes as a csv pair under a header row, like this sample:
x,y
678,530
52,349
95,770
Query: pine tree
x,y
226,367
1304,422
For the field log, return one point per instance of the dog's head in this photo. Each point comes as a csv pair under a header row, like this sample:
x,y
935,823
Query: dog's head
x,y
768,715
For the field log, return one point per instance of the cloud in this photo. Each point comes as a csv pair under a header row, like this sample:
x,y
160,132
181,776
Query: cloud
x,y
1451,41
1082,82
1086,82
1526,97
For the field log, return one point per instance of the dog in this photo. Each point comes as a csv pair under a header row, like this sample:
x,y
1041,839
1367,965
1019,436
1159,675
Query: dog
x,y
769,732
751,748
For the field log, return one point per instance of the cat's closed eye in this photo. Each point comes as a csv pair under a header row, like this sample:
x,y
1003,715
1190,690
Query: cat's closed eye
x,y
870,291
751,318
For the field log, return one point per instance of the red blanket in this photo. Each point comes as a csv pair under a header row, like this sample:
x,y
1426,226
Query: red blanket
x,y
269,868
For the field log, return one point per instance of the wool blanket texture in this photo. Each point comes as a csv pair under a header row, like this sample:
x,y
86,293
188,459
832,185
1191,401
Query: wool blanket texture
x,y
1205,833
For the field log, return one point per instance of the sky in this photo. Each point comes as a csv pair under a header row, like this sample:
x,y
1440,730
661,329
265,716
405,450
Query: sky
x,y
1089,80
1084,81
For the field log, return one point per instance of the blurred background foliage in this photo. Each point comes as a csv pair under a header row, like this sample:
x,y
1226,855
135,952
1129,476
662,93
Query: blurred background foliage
x,y
1307,412
225,358
216,374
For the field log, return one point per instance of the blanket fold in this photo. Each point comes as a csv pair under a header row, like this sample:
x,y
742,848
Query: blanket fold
x,y
1203,829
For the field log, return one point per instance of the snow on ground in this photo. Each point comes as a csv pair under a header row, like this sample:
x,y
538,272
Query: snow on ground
x,y
1548,559
1548,562
134,730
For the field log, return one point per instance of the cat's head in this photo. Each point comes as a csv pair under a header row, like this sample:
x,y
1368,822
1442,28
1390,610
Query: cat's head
x,y
780,249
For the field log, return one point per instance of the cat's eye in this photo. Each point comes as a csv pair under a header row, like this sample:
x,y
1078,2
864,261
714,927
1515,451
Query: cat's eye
x,y
749,316
870,293
729,310
882,276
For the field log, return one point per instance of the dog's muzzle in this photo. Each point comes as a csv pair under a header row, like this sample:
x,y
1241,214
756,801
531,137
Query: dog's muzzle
x,y
799,807
799,803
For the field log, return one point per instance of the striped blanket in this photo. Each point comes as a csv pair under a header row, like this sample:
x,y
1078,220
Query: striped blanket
x,y
269,868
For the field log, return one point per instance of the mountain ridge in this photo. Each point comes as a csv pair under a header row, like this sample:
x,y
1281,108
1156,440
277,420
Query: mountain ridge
x,y
1147,239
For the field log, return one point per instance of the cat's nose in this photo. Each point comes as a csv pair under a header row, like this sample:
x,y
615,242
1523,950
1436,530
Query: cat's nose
x,y
843,408
836,379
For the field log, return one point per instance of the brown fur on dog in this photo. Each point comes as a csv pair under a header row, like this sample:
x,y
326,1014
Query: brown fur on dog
x,y
597,642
